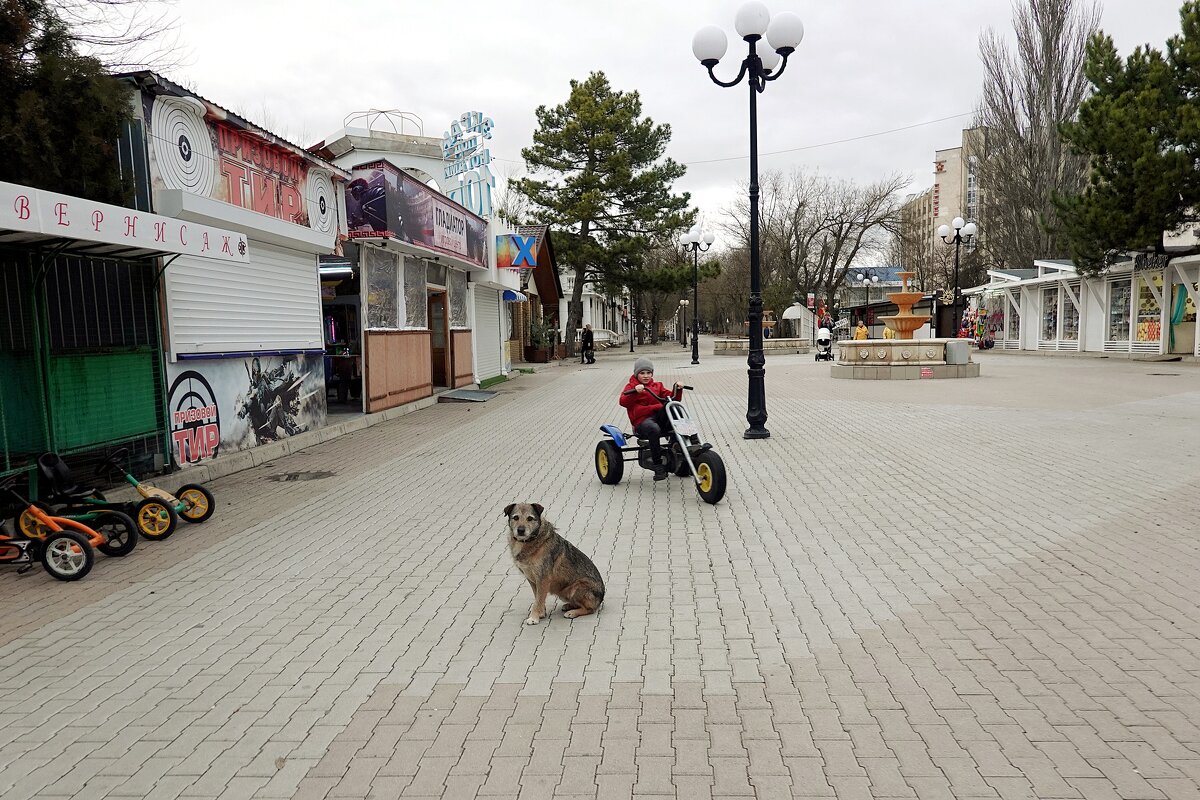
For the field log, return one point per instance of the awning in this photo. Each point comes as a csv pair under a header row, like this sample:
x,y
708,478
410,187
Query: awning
x,y
511,296
33,217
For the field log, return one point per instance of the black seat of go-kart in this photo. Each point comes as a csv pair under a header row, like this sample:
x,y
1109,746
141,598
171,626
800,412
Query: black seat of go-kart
x,y
58,477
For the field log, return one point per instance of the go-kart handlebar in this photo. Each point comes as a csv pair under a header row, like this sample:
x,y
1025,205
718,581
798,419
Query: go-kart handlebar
x,y
663,400
112,463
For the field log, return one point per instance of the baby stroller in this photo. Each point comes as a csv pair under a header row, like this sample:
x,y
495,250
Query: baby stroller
x,y
824,345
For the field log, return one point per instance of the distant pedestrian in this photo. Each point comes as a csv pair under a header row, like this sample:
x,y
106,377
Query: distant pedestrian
x,y
888,333
861,331
589,345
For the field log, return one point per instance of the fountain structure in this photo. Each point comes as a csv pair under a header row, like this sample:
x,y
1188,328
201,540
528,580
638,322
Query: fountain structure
x,y
904,358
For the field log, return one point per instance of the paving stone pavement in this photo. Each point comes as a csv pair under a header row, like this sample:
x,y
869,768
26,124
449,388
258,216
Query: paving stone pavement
x,y
926,589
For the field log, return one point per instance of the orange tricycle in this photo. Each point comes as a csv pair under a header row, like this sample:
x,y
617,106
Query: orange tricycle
x,y
63,546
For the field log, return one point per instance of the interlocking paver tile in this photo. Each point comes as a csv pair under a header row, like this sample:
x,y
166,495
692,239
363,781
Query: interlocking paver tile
x,y
895,599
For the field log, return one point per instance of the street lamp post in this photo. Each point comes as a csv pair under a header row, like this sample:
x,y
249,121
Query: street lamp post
x,y
866,278
698,241
683,304
963,232
761,64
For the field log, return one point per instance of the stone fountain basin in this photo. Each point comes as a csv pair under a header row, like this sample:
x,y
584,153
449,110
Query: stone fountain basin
x,y
895,352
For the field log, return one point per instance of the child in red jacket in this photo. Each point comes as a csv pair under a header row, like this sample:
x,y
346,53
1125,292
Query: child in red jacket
x,y
646,414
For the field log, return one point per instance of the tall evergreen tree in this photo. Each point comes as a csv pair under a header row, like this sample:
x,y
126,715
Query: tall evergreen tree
x,y
607,184
1141,131
61,116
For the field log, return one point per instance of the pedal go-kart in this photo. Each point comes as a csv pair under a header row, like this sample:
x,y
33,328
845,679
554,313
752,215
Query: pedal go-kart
x,y
157,514
685,454
64,546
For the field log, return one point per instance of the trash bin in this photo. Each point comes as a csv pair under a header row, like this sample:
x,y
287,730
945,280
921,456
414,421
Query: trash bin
x,y
958,352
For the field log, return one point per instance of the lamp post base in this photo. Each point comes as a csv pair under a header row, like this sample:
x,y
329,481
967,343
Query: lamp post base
x,y
756,433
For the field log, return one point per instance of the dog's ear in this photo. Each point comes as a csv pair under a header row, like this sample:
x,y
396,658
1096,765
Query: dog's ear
x,y
538,509
508,509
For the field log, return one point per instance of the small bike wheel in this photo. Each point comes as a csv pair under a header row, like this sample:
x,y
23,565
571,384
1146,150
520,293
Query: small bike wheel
x,y
610,464
29,526
710,470
119,531
155,518
67,556
198,502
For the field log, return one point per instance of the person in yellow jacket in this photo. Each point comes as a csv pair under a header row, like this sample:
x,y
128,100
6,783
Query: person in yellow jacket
x,y
888,333
861,331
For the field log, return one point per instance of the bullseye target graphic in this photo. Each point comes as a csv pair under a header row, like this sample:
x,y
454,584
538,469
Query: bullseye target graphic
x,y
182,146
320,201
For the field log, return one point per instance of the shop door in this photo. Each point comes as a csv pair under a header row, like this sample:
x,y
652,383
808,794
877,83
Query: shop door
x,y
1183,321
439,342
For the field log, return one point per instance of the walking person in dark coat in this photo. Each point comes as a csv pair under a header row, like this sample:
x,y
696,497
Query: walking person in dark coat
x,y
589,345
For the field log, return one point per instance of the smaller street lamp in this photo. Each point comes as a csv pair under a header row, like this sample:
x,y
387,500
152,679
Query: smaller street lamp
x,y
698,241
866,278
683,304
963,232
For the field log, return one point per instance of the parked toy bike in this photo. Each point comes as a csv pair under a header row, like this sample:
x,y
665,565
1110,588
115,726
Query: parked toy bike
x,y
685,454
64,546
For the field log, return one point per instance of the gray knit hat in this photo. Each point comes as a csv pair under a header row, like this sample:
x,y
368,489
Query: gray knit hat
x,y
641,364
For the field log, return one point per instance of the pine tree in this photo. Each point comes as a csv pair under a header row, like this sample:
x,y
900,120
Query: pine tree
x,y
62,115
607,184
1141,130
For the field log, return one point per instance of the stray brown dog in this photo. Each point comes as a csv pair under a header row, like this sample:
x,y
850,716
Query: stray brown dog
x,y
551,564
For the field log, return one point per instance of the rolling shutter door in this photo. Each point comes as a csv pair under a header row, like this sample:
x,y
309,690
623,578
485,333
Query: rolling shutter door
x,y
487,332
272,303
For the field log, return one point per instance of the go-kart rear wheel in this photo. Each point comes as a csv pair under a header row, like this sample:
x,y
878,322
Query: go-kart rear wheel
x,y
198,502
710,470
155,518
67,556
610,463
119,531
681,468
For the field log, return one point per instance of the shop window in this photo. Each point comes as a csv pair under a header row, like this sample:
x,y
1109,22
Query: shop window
x,y
458,299
1049,314
1120,296
1014,322
414,294
1070,317
436,273
1149,313
382,294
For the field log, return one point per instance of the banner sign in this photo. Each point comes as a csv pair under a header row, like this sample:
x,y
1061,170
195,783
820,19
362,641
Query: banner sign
x,y
516,252
23,208
381,200
223,405
196,149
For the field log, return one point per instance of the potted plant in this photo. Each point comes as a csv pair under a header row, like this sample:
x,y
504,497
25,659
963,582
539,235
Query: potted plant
x,y
542,334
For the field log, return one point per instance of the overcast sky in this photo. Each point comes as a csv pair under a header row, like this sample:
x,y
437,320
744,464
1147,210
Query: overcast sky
x,y
865,67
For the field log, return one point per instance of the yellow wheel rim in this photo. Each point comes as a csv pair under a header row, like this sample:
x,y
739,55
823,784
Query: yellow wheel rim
x,y
602,462
704,473
153,519
195,503
30,527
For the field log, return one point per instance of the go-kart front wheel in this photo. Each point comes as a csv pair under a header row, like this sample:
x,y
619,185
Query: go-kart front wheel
x,y
67,556
710,472
198,502
610,463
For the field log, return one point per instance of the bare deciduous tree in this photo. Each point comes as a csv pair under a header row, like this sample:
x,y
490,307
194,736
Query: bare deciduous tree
x,y
122,34
1027,95
813,230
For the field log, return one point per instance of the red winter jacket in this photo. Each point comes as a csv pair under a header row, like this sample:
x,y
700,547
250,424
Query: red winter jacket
x,y
640,405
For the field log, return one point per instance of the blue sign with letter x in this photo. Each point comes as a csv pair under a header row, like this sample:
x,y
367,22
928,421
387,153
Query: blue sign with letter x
x,y
525,256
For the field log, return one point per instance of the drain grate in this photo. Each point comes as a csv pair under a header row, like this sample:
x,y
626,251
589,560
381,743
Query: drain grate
x,y
288,477
1166,374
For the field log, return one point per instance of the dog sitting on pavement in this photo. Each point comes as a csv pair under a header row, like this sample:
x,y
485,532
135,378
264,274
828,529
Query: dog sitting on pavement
x,y
551,564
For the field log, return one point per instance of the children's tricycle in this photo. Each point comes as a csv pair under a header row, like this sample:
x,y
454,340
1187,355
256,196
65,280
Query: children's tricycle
x,y
684,453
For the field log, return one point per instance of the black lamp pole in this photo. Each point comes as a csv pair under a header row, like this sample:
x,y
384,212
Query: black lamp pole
x,y
963,232
697,242
786,30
